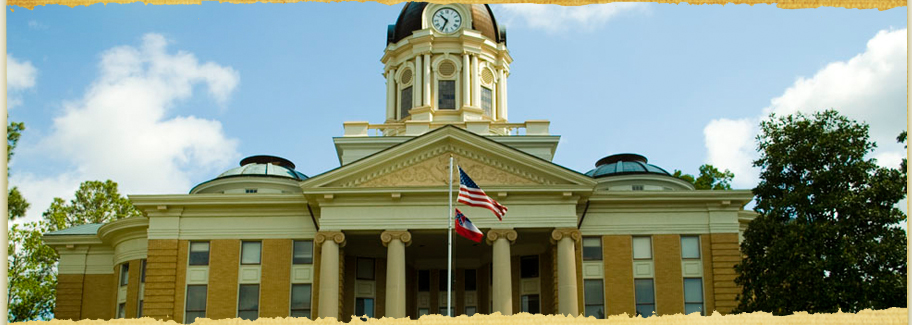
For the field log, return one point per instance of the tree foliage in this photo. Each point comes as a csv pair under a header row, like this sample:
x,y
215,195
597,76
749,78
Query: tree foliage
x,y
710,178
827,235
95,202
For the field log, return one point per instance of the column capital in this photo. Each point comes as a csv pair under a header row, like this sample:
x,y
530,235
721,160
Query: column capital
x,y
494,234
561,233
336,236
402,235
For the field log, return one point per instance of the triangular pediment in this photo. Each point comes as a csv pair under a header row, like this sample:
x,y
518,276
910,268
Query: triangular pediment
x,y
424,162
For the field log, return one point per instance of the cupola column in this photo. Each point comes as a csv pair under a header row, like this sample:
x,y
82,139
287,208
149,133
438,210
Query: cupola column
x,y
502,284
502,96
567,291
395,242
466,81
390,95
418,89
476,86
426,69
329,271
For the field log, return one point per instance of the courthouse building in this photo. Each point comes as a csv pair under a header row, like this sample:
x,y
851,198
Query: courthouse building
x,y
369,237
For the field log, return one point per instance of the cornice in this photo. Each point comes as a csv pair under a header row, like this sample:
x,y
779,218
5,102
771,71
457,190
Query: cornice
x,y
167,201
118,231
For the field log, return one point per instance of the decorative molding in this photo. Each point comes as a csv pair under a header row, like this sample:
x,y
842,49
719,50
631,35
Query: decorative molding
x,y
430,168
561,233
494,234
336,236
402,235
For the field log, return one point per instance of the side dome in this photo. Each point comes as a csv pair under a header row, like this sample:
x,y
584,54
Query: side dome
x,y
633,172
624,163
256,174
412,14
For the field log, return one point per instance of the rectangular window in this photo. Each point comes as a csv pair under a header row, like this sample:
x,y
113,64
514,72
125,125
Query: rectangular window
x,y
690,246
645,297
364,307
470,280
642,248
365,268
470,310
528,266
530,304
250,190
423,311
594,296
250,252
300,300
124,274
122,310
637,187
196,303
443,310
199,253
424,280
487,101
249,301
142,272
592,248
693,296
442,280
405,102
303,252
446,94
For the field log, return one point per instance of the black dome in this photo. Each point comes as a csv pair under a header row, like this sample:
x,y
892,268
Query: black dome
x,y
411,16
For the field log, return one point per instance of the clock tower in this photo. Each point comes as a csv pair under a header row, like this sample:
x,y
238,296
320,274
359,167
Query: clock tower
x,y
446,64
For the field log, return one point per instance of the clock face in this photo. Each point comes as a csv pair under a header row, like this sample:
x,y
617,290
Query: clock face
x,y
447,20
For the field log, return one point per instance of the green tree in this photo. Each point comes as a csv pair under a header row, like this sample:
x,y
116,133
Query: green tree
x,y
95,202
710,178
827,235
16,203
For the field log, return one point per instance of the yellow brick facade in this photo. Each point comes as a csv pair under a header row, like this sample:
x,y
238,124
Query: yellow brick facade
x,y
224,259
669,284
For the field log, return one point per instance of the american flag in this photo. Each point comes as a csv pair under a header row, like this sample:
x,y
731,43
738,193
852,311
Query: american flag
x,y
472,195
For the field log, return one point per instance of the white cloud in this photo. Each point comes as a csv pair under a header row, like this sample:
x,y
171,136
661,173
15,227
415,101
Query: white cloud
x,y
36,25
20,76
870,87
120,129
555,18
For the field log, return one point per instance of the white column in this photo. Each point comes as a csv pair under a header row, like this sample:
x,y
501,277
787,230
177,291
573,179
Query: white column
x,y
395,242
329,271
501,95
502,285
391,95
466,81
567,298
427,80
417,84
476,85
503,109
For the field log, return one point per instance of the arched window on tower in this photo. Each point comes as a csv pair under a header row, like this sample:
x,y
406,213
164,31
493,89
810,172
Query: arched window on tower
x,y
405,91
446,85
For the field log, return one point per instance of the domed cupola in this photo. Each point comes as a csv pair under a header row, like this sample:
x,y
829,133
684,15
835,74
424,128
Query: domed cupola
x,y
446,64
256,174
630,171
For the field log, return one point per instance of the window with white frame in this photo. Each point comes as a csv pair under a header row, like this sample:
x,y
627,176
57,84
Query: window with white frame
x,y
249,301
487,101
300,300
405,102
594,298
365,268
303,252
592,248
693,295
364,307
690,247
124,274
196,303
250,252
446,94
642,248
199,253
530,304
644,289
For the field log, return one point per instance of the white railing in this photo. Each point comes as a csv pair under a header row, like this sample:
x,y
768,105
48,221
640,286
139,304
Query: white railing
x,y
414,128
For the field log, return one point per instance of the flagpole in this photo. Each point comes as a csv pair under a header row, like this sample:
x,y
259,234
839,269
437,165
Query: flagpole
x,y
450,243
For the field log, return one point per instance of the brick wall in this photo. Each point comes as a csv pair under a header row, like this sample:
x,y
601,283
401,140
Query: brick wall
x,y
669,285
617,254
275,279
224,259
725,255
180,282
98,295
709,302
161,270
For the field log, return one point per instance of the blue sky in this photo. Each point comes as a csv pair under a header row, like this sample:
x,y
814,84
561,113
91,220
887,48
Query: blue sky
x,y
160,98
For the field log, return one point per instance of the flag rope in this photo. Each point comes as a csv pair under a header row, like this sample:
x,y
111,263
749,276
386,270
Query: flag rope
x,y
450,243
